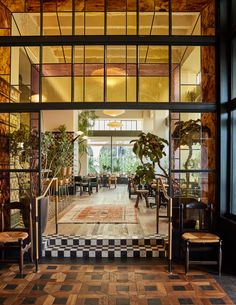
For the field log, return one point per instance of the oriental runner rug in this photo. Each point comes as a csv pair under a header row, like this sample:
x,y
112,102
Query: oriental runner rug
x,y
105,213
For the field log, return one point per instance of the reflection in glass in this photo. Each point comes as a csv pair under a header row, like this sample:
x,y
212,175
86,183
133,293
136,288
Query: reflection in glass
x,y
193,141
233,162
233,73
193,74
194,185
193,17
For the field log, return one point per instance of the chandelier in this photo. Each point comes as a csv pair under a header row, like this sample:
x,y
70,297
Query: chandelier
x,y
113,112
114,124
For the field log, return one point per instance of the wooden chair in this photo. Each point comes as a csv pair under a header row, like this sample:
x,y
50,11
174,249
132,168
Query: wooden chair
x,y
16,237
196,228
131,188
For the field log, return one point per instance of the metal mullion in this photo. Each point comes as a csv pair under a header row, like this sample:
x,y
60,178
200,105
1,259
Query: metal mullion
x,y
137,74
72,54
84,88
40,72
72,74
108,40
170,155
170,73
170,17
174,107
126,75
105,74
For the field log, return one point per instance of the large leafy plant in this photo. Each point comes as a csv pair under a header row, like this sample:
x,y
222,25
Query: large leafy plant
x,y
56,147
150,149
86,120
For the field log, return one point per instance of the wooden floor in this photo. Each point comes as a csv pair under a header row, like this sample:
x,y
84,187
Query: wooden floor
x,y
109,284
146,216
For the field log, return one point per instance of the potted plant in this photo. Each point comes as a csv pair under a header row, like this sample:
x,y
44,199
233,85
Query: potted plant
x,y
150,148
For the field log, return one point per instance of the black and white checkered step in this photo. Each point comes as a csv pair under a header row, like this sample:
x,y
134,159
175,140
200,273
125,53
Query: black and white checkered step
x,y
97,247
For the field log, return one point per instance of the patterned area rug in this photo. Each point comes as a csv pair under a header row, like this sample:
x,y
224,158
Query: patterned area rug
x,y
101,214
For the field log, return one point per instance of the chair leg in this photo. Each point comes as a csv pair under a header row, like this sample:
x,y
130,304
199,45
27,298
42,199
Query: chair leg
x,y
31,253
21,256
187,258
220,258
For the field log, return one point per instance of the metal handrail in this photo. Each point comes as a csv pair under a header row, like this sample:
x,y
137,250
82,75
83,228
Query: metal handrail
x,y
37,199
169,216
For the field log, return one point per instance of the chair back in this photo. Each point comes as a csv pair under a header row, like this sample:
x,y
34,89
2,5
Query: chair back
x,y
196,216
17,216
78,178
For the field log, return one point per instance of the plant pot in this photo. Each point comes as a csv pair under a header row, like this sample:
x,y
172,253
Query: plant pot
x,y
44,212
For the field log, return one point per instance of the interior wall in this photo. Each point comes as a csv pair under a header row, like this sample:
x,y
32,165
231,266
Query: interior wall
x,y
52,119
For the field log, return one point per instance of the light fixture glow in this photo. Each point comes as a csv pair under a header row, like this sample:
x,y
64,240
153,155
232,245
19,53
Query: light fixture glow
x,y
114,124
113,112
79,132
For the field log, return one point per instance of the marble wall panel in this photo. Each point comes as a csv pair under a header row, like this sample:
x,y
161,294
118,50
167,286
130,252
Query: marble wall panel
x,y
5,17
208,19
15,6
208,74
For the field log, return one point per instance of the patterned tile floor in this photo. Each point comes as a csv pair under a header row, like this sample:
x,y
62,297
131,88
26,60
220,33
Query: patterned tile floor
x,y
109,284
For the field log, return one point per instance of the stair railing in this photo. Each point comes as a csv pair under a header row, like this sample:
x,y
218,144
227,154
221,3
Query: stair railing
x,y
36,213
160,187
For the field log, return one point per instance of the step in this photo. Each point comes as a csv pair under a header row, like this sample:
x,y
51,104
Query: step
x,y
107,247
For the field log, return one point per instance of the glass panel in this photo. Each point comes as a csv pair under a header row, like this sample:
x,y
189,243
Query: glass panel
x,y
233,162
153,74
233,13
94,89
193,149
78,89
20,137
195,185
233,69
193,74
65,23
79,23
51,24
24,74
116,89
153,17
116,23
193,17
25,24
56,74
94,23
56,89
